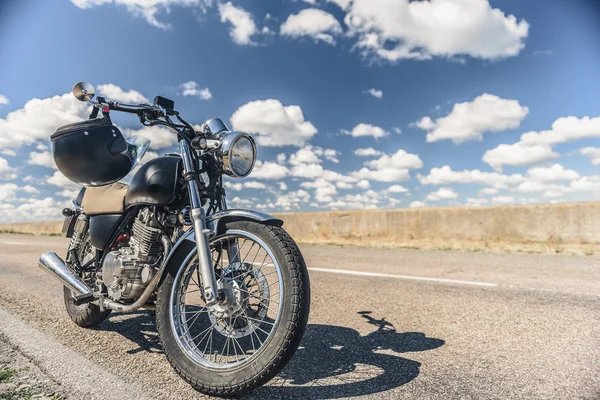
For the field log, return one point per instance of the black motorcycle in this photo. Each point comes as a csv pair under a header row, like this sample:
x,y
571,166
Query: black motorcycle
x,y
229,286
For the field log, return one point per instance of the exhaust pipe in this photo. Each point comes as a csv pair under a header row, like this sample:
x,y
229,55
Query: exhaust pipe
x,y
55,266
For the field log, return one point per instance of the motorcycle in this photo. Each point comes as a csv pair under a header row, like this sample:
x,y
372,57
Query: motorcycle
x,y
229,286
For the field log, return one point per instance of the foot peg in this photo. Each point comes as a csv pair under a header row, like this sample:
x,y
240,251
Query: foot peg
x,y
82,299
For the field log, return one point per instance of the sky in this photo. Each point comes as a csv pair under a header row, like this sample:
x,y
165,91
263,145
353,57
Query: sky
x,y
355,104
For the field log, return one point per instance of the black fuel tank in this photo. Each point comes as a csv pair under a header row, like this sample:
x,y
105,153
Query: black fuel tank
x,y
155,183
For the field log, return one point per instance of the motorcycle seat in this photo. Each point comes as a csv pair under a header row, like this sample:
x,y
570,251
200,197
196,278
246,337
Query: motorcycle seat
x,y
109,199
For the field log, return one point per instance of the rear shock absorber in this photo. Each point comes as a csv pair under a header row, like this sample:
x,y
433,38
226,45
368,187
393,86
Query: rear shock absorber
x,y
81,227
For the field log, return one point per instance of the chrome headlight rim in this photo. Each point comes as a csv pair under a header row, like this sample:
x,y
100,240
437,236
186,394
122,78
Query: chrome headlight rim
x,y
225,156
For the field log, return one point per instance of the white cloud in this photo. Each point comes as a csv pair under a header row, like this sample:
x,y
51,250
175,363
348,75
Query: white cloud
x,y
537,186
289,201
3,100
331,155
37,210
314,23
366,130
269,170
397,189
192,88
58,179
535,147
400,159
29,189
503,200
518,154
114,92
8,192
254,185
368,152
390,168
397,130
159,137
39,118
374,92
283,186
445,175
566,129
488,191
417,204
442,194
147,9
274,124
308,171
553,173
324,190
363,184
476,202
6,171
237,186
312,155
398,29
593,153
281,158
344,185
469,120
8,152
367,200
44,159
243,25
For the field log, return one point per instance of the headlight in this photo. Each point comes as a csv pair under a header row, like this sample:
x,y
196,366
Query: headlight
x,y
237,153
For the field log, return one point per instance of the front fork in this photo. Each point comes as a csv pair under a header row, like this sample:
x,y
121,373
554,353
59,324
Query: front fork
x,y
205,262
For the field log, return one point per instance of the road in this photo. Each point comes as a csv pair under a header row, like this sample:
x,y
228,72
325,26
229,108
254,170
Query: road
x,y
384,324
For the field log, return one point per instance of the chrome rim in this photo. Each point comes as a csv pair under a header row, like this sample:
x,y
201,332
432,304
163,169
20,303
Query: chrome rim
x,y
230,334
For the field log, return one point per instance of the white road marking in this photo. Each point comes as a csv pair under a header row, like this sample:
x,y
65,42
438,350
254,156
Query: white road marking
x,y
17,243
408,277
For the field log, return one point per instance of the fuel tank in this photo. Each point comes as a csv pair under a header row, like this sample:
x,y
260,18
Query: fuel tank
x,y
155,183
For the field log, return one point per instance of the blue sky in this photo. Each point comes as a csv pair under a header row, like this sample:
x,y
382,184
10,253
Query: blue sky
x,y
315,81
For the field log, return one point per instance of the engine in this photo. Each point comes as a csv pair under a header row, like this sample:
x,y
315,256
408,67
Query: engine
x,y
131,265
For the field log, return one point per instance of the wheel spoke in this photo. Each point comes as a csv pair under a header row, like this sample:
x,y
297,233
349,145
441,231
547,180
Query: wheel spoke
x,y
225,335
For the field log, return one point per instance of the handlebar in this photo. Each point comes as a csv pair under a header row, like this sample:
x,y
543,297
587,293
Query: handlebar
x,y
133,108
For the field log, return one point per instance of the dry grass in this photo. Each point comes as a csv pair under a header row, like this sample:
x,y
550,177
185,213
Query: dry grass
x,y
33,228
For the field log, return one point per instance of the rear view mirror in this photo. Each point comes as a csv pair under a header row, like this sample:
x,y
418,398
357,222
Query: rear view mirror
x,y
84,91
164,103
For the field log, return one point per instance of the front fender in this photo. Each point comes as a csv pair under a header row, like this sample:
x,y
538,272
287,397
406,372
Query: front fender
x,y
216,223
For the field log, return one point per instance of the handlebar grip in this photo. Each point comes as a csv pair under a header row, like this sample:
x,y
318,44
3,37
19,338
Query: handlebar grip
x,y
132,108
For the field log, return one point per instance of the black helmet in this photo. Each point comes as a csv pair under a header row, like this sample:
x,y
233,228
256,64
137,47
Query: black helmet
x,y
95,153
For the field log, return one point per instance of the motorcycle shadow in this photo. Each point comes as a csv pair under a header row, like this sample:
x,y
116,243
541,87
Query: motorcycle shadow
x,y
337,362
332,362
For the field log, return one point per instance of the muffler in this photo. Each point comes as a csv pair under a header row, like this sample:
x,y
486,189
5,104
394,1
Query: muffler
x,y
55,266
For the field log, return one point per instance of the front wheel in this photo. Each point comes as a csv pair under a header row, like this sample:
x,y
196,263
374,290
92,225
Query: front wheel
x,y
233,347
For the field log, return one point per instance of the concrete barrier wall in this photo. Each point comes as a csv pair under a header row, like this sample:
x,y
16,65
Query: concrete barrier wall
x,y
572,227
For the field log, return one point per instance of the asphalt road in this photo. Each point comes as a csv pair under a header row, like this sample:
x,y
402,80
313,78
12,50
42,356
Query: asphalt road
x,y
384,324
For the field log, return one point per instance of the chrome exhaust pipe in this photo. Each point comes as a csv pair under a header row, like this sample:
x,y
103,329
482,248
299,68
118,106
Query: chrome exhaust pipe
x,y
52,263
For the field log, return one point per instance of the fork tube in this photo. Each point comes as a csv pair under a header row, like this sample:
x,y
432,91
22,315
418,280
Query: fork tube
x,y
233,250
205,265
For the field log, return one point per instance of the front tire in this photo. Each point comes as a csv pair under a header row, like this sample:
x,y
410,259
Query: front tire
x,y
258,365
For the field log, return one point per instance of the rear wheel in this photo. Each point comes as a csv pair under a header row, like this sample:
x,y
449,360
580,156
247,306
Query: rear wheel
x,y
233,347
86,315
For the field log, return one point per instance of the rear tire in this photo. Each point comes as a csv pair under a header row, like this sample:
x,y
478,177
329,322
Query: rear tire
x,y
86,315
276,351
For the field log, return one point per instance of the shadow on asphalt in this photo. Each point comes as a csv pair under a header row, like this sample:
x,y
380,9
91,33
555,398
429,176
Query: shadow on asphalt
x,y
332,362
